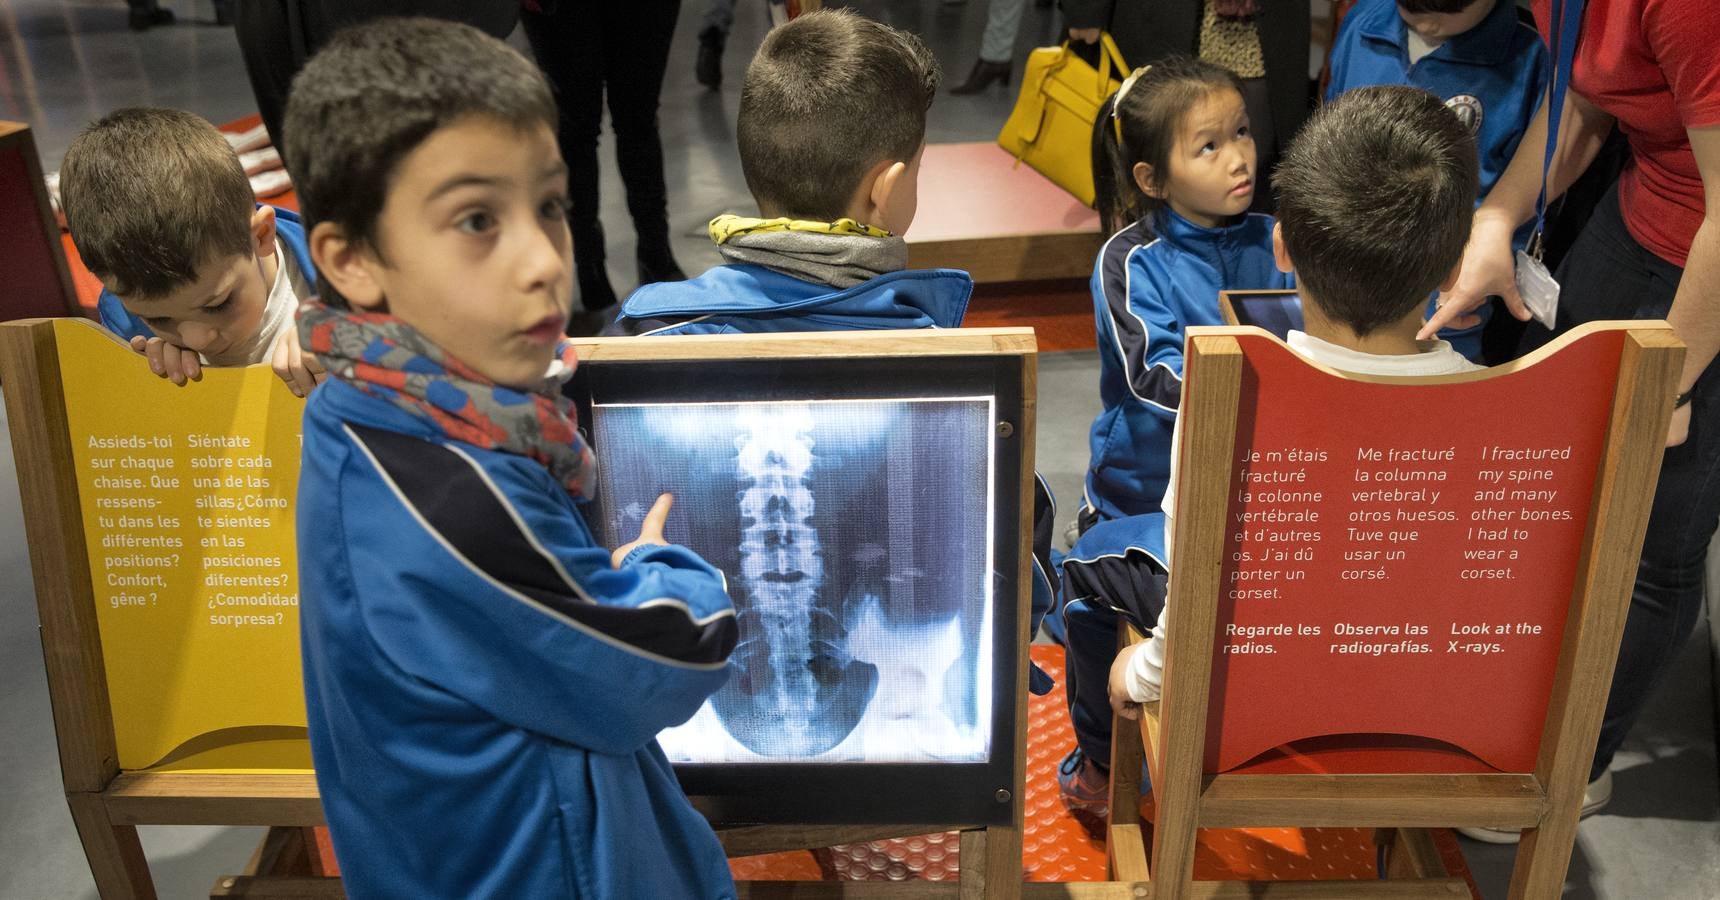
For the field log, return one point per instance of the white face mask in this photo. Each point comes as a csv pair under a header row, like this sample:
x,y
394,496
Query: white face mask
x,y
278,311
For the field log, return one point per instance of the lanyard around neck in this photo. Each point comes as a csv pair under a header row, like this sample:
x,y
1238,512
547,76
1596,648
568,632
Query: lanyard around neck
x,y
1567,23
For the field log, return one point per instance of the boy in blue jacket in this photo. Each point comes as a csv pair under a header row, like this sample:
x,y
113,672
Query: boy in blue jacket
x,y
831,129
194,270
1478,56
483,682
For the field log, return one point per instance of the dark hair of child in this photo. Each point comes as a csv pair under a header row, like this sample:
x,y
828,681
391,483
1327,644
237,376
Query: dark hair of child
x,y
827,97
150,195
1142,132
1375,197
378,90
1445,7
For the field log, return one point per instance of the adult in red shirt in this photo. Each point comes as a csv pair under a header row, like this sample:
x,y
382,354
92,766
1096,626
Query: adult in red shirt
x,y
1651,250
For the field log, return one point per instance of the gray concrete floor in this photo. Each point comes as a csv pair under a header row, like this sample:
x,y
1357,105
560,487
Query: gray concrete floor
x,y
64,62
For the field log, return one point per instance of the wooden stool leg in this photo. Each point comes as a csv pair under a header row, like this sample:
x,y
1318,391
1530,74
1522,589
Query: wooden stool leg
x,y
1543,858
1125,848
991,863
114,852
1411,854
282,851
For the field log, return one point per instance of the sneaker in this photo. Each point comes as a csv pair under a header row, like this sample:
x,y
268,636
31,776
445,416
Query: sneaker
x,y
1085,787
1597,795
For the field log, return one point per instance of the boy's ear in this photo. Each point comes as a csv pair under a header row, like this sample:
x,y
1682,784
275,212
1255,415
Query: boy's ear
x,y
886,182
1143,175
886,179
1280,253
263,231
348,266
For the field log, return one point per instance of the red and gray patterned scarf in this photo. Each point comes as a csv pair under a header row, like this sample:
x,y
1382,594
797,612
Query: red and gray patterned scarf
x,y
387,358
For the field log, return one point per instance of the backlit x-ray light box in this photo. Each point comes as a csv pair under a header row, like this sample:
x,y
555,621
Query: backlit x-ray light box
x,y
865,513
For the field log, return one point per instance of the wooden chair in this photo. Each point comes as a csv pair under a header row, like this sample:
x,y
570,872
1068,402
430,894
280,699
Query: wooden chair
x,y
38,283
1399,729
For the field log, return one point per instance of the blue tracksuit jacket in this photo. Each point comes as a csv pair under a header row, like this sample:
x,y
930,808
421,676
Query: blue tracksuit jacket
x,y
1492,76
748,298
288,227
1146,290
754,299
483,689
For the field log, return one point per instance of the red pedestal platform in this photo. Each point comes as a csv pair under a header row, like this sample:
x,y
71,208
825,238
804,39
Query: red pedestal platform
x,y
1002,222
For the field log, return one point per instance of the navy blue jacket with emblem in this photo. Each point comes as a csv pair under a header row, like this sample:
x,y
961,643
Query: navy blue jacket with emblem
x,y
484,690
1153,280
1492,75
752,299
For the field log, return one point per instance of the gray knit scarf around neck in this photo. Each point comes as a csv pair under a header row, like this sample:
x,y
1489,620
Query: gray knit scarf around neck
x,y
839,260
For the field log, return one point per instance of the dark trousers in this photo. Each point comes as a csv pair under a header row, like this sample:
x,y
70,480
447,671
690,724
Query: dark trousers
x,y
1090,629
274,44
594,51
1608,275
277,37
1095,585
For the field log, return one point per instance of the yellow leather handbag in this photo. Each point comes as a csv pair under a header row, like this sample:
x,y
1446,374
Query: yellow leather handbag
x,y
1051,128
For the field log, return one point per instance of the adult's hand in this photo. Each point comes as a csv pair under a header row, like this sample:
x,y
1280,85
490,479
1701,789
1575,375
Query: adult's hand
x,y
1695,312
1086,35
1488,268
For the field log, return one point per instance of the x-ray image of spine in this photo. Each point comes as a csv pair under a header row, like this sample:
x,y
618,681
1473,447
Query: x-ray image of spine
x,y
798,692
854,537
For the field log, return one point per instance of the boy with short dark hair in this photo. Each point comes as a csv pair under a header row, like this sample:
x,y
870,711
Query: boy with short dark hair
x,y
1373,214
1374,202
195,271
483,682
831,130
1479,56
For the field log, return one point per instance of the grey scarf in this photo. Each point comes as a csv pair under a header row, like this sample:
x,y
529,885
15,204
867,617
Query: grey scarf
x,y
839,260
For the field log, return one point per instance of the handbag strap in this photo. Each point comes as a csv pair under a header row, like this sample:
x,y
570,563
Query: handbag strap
x,y
1567,23
1109,57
